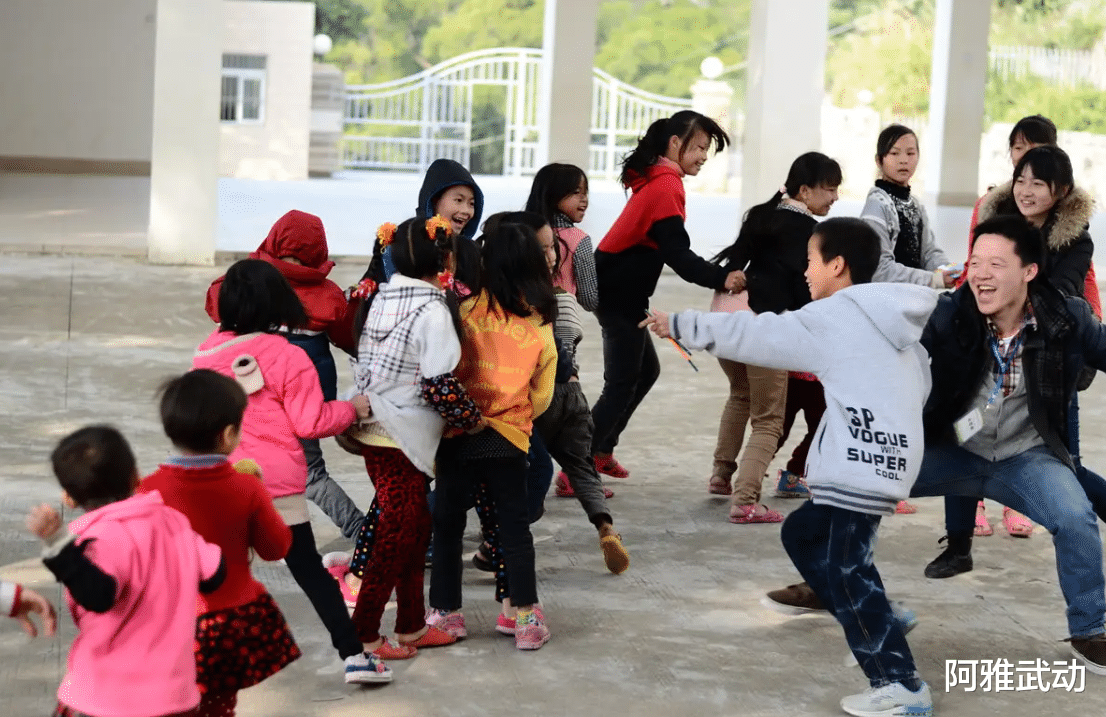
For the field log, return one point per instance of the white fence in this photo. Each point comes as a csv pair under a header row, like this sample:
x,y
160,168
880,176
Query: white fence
x,y
1062,67
408,123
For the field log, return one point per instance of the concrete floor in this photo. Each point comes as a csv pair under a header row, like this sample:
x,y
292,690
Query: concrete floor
x,y
681,633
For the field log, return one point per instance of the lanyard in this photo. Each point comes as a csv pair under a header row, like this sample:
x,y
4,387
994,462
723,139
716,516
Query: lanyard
x,y
1004,365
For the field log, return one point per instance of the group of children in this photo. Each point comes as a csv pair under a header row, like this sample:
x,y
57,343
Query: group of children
x,y
463,350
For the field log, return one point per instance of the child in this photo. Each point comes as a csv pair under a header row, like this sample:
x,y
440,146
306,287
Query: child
x,y
559,194
133,570
565,427
863,344
285,404
297,247
770,251
201,413
448,191
507,365
17,602
409,347
648,234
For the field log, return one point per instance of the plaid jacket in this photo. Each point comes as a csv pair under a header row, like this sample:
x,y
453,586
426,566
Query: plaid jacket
x,y
1066,340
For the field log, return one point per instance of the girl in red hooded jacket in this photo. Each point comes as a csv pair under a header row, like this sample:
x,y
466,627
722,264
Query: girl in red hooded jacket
x,y
297,247
647,235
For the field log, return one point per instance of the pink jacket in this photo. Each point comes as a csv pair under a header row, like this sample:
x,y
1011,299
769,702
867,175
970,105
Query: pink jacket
x,y
136,659
286,405
570,238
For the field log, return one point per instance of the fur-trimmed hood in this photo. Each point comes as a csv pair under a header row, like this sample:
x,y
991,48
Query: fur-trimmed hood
x,y
1070,219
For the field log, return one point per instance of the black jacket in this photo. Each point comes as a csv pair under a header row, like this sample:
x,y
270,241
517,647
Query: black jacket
x,y
1067,338
776,259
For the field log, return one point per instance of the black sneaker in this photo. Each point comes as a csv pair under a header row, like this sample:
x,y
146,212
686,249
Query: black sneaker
x,y
1092,651
956,558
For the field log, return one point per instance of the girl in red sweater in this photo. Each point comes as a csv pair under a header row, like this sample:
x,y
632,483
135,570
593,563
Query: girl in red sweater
x,y
647,235
201,413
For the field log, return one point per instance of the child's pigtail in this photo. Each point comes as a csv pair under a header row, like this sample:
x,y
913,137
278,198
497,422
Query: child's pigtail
x,y
650,147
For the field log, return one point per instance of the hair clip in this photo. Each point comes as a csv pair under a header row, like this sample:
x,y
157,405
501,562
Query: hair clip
x,y
445,278
436,222
386,233
364,288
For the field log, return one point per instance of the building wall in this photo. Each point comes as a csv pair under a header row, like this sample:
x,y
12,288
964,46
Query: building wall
x,y
76,85
276,148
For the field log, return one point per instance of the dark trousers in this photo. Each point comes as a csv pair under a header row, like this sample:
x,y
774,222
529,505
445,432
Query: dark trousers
x,y
539,474
808,397
306,566
630,368
457,483
832,549
566,429
398,547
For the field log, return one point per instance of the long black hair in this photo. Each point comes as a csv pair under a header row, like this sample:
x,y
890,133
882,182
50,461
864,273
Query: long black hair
x,y
417,254
533,220
516,274
255,297
813,170
552,183
1051,165
1036,129
654,143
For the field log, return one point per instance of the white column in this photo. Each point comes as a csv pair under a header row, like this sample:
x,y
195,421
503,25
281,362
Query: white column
x,y
956,95
565,108
713,99
786,83
184,159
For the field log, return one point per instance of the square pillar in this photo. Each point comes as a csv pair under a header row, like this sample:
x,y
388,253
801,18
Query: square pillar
x,y
568,49
956,101
184,157
786,83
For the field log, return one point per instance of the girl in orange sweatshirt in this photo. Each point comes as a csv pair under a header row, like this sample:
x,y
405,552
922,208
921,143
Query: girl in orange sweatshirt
x,y
508,365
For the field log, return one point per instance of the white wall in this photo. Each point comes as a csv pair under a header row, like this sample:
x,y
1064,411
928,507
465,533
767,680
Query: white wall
x,y
76,79
276,148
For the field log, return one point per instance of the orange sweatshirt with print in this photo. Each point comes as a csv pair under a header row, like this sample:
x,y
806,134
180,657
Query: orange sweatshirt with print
x,y
508,364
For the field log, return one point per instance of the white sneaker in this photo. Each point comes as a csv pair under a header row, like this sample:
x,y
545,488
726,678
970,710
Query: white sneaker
x,y
892,700
367,668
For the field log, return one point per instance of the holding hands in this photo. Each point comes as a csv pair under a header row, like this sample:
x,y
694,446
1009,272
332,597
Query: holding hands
x,y
657,322
735,282
361,405
30,602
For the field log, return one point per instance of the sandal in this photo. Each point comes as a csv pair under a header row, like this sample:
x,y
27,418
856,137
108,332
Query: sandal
x,y
1016,524
982,526
433,637
719,486
564,488
904,508
752,513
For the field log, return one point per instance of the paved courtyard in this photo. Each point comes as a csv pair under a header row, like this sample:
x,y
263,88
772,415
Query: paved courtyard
x,y
88,339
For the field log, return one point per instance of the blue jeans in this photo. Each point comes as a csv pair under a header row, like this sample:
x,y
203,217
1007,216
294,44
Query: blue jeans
x,y
832,549
1041,486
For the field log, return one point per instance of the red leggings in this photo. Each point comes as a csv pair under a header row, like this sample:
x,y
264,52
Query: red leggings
x,y
398,553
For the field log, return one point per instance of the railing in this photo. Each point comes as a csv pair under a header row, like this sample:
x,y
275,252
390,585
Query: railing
x,y
1062,67
407,123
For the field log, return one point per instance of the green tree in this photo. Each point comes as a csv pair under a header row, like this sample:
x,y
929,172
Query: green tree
x,y
481,24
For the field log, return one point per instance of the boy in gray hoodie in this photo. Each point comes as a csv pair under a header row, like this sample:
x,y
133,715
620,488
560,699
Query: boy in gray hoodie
x,y
862,341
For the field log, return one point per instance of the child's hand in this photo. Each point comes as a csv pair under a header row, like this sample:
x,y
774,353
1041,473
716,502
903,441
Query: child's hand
x,y
657,323
44,520
31,602
361,405
735,282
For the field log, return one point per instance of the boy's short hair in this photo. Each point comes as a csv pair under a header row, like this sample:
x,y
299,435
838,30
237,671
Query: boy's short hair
x,y
1029,245
197,407
95,466
852,240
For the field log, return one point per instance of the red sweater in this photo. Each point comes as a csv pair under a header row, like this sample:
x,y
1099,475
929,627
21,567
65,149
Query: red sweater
x,y
232,510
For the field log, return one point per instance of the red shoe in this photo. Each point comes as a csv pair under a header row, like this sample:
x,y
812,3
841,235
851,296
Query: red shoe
x,y
905,508
610,466
563,488
434,637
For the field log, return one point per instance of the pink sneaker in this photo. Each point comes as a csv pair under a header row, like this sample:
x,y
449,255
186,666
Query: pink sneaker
x,y
530,630
449,622
504,624
337,564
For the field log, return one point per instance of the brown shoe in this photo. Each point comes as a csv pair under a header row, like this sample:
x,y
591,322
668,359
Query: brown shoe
x,y
793,600
1092,651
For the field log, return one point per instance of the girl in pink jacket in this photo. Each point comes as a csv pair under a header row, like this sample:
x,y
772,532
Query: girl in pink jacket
x,y
285,404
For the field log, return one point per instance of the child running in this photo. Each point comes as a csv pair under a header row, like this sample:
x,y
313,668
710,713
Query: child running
x,y
410,344
507,365
559,195
201,413
863,344
133,570
296,246
285,404
648,234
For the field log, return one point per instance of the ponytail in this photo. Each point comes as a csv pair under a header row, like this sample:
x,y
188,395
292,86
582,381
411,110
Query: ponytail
x,y
654,143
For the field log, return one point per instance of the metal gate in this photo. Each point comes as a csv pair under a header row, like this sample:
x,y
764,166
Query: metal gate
x,y
408,123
